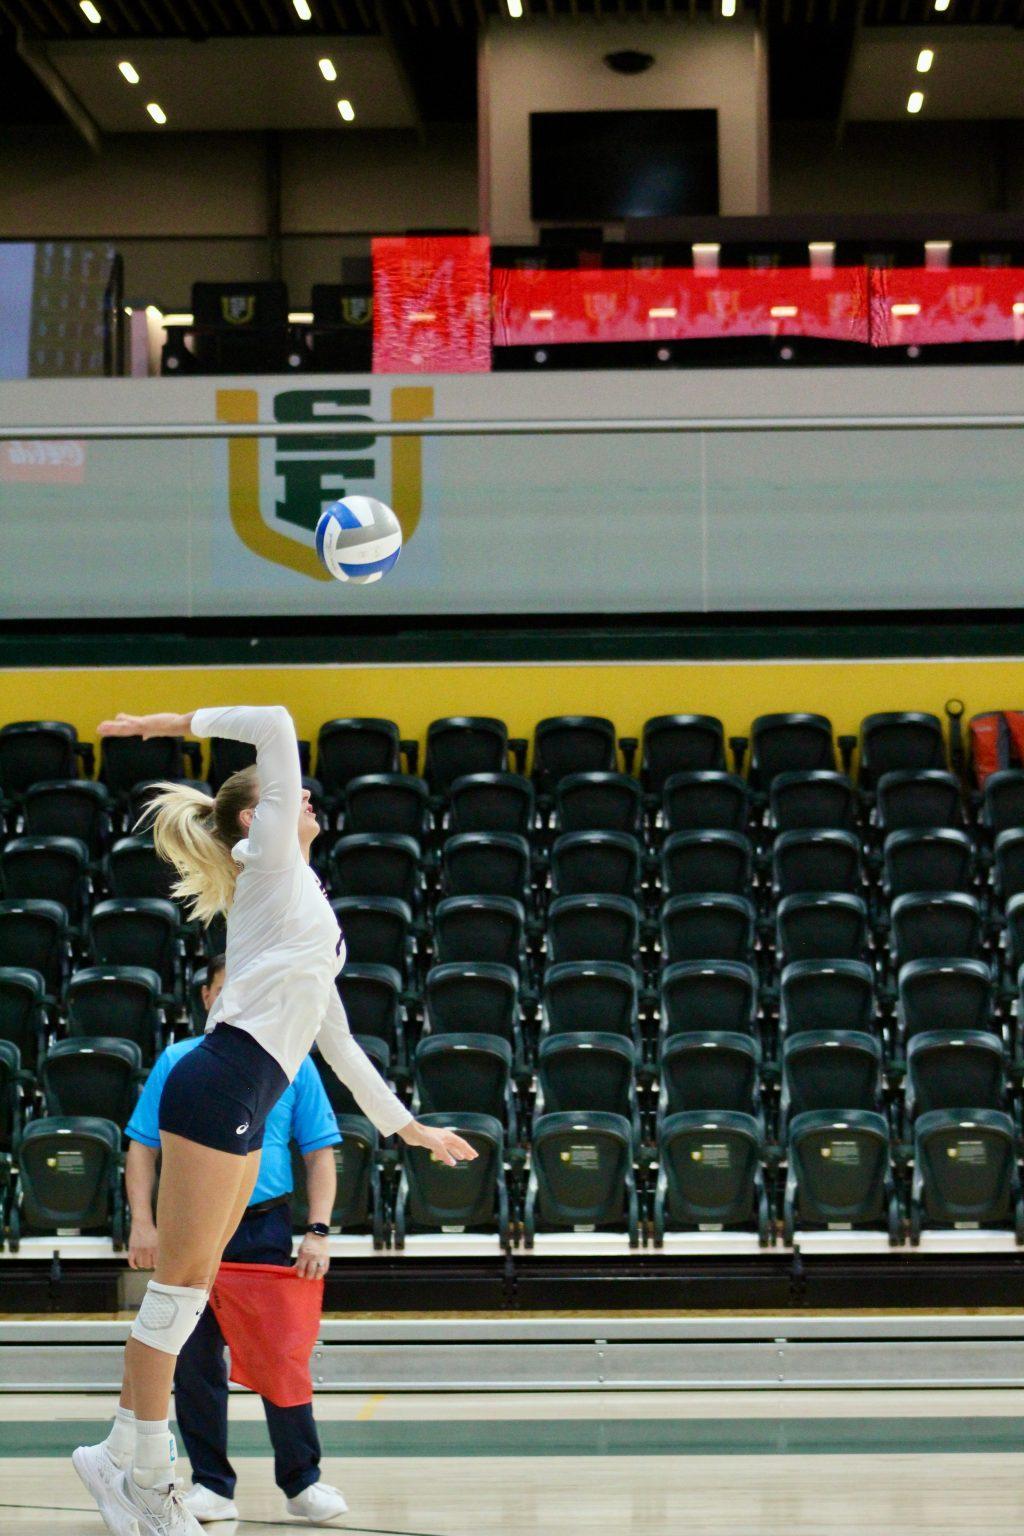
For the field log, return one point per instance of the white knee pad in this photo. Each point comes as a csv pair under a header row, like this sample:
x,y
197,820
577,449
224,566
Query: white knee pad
x,y
168,1316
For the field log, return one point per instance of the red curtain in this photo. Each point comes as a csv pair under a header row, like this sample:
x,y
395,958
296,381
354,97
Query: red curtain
x,y
270,1318
432,304
914,306
671,304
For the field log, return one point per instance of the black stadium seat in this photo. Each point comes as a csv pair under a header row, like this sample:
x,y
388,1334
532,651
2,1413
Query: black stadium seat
x,y
789,743
927,859
339,1095
901,740
708,861
471,1197
34,935
34,750
140,931
372,998
464,744
812,799
377,864
708,995
118,1000
69,808
353,747
836,1069
486,864
596,864
463,997
564,744
952,994
966,1172
955,1069
705,800
707,928
935,925
920,797
69,1178
475,928
378,930
23,1015
492,802
97,1076
673,744
461,1073
826,994
47,868
133,868
840,1173
829,926
129,760
709,1070
387,802
598,802
710,1174
1002,801
594,928
590,996
815,860
240,327
581,1175
588,1070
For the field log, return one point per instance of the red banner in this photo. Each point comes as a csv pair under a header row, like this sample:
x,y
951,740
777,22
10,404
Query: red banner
x,y
270,1318
674,304
918,306
432,304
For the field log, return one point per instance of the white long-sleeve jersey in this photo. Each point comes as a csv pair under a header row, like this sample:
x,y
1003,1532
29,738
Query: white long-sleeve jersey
x,y
284,945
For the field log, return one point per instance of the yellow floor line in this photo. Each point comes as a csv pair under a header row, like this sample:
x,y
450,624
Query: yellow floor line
x,y
369,1408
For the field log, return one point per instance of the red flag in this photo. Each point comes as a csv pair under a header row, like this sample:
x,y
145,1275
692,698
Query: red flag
x,y
270,1318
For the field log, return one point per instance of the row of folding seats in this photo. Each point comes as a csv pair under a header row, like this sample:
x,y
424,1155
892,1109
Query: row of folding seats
x,y
710,1173
35,751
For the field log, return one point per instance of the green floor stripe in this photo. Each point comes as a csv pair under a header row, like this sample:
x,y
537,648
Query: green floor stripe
x,y
589,1437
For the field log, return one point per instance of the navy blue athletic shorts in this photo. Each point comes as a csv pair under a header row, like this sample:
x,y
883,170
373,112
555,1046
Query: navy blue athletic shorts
x,y
220,1094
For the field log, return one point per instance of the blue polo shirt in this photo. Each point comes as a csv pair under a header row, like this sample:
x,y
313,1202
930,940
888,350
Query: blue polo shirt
x,y
303,1113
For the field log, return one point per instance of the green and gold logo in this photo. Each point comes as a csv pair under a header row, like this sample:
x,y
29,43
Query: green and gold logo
x,y
303,465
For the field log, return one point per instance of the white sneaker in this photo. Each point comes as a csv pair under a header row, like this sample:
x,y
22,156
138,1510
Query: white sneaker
x,y
318,1504
99,1472
207,1506
156,1511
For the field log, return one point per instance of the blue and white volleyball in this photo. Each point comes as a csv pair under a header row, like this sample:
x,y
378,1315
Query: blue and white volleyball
x,y
358,539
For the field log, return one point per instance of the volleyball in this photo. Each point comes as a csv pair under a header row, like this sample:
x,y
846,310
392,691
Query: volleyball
x,y
358,539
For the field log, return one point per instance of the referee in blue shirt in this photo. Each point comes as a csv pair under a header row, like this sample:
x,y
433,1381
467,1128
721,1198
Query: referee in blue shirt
x,y
264,1236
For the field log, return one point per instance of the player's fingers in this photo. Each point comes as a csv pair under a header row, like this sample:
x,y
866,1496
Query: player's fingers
x,y
461,1148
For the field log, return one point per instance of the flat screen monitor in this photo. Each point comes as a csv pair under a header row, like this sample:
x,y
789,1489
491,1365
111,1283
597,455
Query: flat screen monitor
x,y
623,165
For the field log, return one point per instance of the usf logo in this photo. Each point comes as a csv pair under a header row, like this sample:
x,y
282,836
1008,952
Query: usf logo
x,y
311,471
238,308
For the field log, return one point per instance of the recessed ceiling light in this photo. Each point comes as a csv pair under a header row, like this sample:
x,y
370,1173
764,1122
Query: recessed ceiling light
x,y
129,71
915,101
925,60
90,12
156,112
302,10
346,109
942,5
728,8
328,70
515,9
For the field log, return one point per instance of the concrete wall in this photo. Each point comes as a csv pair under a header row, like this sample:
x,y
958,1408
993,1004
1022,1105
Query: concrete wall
x,y
192,206
558,66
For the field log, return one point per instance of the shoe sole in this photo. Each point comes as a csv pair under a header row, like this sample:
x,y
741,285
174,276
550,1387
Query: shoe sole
x,y
229,1514
102,1495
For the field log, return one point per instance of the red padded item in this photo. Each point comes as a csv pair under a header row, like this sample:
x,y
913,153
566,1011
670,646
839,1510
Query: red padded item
x,y
270,1318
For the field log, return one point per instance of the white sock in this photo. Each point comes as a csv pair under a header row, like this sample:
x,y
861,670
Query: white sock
x,y
120,1443
155,1454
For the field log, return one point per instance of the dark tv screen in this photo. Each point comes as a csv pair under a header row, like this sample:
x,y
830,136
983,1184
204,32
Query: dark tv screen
x,y
623,165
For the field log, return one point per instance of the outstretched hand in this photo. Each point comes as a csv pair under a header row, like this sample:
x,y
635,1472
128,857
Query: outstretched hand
x,y
145,725
444,1144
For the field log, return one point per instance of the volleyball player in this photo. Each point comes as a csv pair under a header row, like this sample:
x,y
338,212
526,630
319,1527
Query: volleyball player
x,y
245,853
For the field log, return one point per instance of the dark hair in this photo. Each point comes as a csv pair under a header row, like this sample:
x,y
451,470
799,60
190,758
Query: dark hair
x,y
216,963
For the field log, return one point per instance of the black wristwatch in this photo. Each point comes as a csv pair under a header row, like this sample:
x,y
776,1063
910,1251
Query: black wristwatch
x,y
319,1229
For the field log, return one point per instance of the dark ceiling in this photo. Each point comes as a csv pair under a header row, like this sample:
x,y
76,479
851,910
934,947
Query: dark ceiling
x,y
809,40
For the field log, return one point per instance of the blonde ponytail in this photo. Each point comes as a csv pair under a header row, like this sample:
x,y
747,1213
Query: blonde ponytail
x,y
196,833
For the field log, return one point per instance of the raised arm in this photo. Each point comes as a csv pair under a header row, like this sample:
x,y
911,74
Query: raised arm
x,y
273,834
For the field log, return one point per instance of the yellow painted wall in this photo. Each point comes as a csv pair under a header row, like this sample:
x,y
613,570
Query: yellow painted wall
x,y
846,691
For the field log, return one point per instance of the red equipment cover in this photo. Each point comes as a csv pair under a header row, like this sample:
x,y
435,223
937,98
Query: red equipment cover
x,y
432,304
270,1318
532,308
914,306
997,741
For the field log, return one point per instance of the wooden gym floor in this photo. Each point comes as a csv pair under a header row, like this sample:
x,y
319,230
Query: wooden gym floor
x,y
830,1463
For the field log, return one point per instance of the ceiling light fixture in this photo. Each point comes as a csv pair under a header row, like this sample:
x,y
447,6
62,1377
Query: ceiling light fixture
x,y
156,112
346,109
302,10
515,9
328,70
90,12
942,5
925,60
728,8
129,71
915,101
